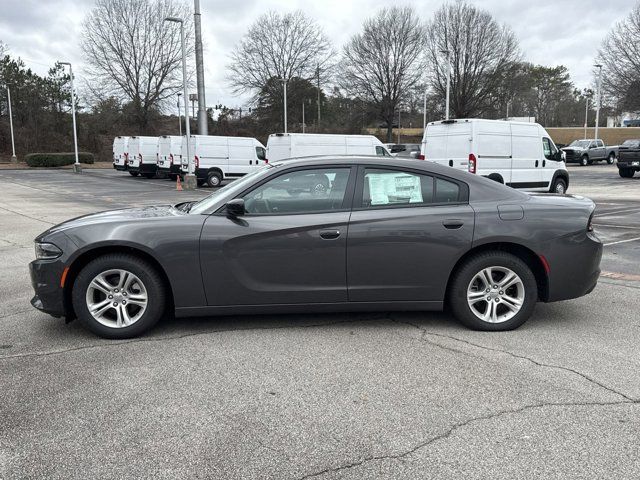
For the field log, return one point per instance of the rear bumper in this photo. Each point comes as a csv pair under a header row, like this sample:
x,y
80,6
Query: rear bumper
x,y
574,266
45,280
120,168
174,169
144,168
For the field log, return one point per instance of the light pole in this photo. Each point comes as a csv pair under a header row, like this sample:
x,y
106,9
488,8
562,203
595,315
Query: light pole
x,y
424,111
303,116
179,115
202,104
446,108
586,115
599,100
284,82
76,166
190,182
14,159
399,125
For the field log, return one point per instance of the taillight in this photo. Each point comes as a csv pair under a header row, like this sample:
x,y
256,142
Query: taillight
x,y
197,161
171,158
420,157
140,158
472,163
589,223
126,156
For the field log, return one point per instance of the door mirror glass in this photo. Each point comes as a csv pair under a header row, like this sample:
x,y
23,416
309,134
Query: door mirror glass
x,y
235,207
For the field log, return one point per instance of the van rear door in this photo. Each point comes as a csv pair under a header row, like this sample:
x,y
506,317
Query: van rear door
x,y
458,145
492,148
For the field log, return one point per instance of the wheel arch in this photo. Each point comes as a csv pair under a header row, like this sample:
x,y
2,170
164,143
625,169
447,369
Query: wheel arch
x,y
86,256
563,174
533,261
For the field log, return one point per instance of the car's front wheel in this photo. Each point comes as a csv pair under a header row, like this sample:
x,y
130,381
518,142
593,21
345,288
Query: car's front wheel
x,y
559,186
493,291
626,172
118,296
133,174
611,158
584,161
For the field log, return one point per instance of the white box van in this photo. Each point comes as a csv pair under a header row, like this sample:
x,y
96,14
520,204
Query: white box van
x,y
143,152
281,146
169,155
220,158
120,153
518,154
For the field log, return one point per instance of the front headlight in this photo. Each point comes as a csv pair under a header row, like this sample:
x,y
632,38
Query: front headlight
x,y
47,251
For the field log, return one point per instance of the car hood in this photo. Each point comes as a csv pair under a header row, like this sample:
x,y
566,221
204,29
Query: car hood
x,y
572,149
117,216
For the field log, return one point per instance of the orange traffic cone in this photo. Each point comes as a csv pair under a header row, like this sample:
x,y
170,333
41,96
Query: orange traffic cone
x,y
178,184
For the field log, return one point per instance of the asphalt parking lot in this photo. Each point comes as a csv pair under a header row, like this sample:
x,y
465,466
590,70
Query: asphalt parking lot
x,y
384,395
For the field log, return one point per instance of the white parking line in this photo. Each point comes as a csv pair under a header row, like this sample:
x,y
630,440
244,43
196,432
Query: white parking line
x,y
615,226
628,210
622,241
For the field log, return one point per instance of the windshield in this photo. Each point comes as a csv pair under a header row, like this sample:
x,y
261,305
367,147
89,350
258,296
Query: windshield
x,y
580,143
631,143
236,186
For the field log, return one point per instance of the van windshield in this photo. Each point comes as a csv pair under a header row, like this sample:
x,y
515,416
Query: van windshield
x,y
230,189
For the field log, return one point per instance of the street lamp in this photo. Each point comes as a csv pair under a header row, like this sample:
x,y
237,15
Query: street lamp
x,y
190,182
14,159
599,100
76,165
179,115
284,83
586,115
446,108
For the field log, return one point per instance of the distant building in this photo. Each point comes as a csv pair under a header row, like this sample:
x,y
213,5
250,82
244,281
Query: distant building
x,y
625,119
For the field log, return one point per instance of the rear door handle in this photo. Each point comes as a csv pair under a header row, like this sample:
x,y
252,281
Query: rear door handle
x,y
330,234
452,223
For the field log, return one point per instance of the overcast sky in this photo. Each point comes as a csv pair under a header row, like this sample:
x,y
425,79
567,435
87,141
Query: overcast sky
x,y
551,32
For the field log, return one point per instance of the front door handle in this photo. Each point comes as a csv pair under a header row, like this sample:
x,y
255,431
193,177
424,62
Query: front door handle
x,y
452,223
330,234
537,163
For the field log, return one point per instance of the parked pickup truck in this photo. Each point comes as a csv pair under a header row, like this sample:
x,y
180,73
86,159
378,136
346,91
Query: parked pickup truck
x,y
629,158
587,151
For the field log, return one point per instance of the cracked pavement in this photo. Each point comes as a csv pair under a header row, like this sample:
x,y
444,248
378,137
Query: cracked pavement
x,y
384,395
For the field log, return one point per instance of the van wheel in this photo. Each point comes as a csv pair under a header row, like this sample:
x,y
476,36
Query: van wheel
x,y
559,186
493,291
214,179
611,158
626,172
133,174
584,161
118,296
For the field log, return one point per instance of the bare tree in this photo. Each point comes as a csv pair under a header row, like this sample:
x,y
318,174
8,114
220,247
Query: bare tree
x,y
278,47
133,55
383,63
3,49
620,57
479,49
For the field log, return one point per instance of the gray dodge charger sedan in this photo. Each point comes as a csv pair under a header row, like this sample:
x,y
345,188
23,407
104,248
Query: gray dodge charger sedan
x,y
318,235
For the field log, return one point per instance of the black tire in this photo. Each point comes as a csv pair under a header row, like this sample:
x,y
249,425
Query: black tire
x,y
584,161
214,179
200,181
611,159
626,172
134,174
173,177
149,175
457,295
156,295
559,186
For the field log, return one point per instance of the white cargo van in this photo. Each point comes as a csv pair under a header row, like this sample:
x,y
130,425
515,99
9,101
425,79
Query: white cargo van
x,y
143,153
281,146
220,158
521,155
169,155
120,153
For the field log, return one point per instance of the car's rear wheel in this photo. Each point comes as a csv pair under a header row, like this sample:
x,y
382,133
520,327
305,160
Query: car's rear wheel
x,y
559,186
214,179
626,172
118,296
584,161
134,174
493,291
611,158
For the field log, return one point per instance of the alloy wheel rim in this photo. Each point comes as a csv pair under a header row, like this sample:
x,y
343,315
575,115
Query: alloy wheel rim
x,y
495,294
560,188
116,298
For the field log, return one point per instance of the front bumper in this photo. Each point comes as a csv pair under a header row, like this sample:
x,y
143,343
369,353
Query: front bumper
x,y
45,280
629,164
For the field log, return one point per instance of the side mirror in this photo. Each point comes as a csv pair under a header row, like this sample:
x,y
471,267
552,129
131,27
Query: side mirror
x,y
235,207
414,154
559,155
